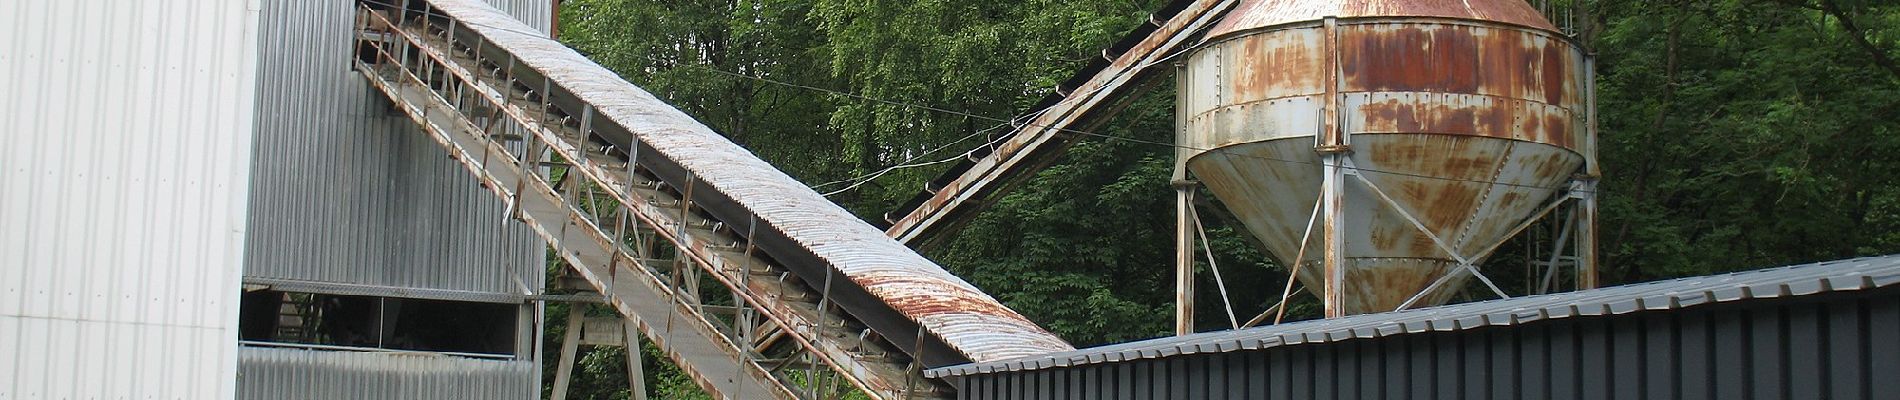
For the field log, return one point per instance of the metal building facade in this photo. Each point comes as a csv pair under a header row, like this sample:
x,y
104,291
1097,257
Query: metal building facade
x,y
122,196
347,191
1828,330
287,374
348,198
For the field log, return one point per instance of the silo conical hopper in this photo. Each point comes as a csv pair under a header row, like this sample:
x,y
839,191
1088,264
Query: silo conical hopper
x,y
1465,117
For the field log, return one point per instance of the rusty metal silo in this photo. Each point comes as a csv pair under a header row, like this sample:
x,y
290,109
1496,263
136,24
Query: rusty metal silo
x,y
1390,144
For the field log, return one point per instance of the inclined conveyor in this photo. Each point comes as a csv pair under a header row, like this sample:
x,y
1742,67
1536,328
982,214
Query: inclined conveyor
x,y
751,282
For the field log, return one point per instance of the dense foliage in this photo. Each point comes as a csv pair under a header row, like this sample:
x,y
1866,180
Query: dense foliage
x,y
1736,134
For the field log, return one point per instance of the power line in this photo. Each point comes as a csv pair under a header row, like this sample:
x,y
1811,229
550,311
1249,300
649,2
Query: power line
x,y
941,110
873,176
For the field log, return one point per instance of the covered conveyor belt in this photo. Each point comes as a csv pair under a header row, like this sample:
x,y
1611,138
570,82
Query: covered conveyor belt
x,y
753,283
1083,103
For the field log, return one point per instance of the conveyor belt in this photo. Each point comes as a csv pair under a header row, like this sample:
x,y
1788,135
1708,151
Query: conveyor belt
x,y
1083,103
753,283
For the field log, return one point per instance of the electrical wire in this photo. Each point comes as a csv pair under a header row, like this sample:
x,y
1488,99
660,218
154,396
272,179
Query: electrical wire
x,y
965,154
934,150
941,110
906,163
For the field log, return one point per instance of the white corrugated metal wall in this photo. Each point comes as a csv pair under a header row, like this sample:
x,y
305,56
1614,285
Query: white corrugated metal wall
x,y
345,191
123,180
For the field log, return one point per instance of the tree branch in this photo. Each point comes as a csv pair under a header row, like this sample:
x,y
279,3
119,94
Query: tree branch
x,y
1860,37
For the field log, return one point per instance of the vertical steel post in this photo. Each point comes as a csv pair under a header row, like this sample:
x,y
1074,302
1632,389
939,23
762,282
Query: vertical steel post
x,y
1587,204
1183,259
570,345
1332,236
1184,190
1587,239
1332,149
636,360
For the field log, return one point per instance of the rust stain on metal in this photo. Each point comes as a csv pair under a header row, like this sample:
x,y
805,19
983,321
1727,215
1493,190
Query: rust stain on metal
x,y
1257,14
1464,112
1556,74
967,321
1411,58
1276,67
1382,284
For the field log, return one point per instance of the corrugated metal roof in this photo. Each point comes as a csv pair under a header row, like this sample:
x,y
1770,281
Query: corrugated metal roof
x,y
967,319
1792,281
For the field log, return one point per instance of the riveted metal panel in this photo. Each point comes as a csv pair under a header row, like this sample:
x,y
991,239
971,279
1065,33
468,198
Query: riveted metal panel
x,y
345,192
1466,124
127,127
269,373
1255,14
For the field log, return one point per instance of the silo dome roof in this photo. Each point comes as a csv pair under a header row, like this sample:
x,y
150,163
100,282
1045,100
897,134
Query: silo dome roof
x,y
1251,14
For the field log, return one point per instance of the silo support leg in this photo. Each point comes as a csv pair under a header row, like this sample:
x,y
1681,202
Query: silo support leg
x,y
1586,215
1183,259
1334,259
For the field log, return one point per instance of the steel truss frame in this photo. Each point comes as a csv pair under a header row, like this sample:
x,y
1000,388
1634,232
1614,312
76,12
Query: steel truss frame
x,y
738,324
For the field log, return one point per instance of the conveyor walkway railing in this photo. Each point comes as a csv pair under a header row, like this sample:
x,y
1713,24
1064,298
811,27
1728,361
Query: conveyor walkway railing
x,y
752,283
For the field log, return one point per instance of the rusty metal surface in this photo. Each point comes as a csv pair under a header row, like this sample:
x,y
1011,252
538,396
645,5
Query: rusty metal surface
x,y
685,336
1811,280
1469,126
707,349
1255,14
1039,141
946,306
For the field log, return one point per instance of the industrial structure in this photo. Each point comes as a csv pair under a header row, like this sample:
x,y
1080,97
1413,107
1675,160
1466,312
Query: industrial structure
x,y
388,273
357,199
1821,331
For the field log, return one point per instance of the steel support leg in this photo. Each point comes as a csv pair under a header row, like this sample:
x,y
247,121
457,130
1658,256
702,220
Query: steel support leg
x,y
570,346
1183,259
1587,238
636,361
1332,235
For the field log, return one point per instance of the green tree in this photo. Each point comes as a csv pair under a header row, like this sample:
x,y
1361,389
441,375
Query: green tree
x,y
1744,134
1735,134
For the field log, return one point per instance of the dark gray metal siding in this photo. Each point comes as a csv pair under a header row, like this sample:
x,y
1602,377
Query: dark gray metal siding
x,y
294,374
1835,346
345,191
